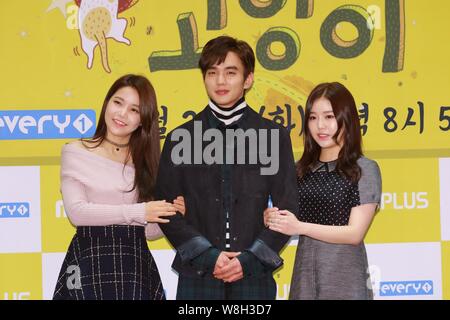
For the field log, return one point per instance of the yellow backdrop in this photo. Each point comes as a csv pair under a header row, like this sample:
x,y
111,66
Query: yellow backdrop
x,y
391,54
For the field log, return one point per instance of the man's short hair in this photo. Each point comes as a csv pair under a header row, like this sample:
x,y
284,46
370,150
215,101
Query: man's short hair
x,y
216,50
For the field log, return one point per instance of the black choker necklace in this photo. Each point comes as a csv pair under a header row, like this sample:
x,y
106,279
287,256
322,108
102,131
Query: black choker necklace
x,y
117,145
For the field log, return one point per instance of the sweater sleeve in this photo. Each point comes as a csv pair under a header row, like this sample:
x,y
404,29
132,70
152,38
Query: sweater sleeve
x,y
153,231
82,212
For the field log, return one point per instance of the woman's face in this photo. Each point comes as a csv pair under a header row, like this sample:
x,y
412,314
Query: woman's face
x,y
323,126
122,114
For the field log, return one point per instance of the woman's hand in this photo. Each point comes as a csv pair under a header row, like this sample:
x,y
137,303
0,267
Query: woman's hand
x,y
179,205
155,210
284,221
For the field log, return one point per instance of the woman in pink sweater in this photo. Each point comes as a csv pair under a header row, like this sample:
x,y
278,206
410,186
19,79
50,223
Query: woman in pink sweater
x,y
107,184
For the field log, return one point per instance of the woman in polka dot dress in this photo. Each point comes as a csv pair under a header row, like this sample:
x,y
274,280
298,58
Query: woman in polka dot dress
x,y
339,191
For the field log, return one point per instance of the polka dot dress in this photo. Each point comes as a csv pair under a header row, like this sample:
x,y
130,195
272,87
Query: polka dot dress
x,y
326,197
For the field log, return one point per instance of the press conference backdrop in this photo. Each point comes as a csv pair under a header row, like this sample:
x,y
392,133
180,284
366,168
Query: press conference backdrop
x,y
391,54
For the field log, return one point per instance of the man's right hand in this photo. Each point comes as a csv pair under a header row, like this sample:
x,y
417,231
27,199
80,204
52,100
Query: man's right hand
x,y
267,215
223,260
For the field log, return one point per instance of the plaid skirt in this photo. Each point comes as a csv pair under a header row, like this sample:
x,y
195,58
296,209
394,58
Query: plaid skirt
x,y
109,263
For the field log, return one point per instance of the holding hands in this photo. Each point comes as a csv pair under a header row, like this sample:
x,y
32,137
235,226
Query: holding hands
x,y
155,211
228,268
282,221
179,205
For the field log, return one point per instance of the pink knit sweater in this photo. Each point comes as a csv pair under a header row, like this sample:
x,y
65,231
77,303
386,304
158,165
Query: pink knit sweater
x,y
94,190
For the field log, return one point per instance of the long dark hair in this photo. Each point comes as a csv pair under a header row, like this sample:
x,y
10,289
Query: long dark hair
x,y
346,114
144,146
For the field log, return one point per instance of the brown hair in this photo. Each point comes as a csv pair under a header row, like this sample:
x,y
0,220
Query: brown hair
x,y
346,114
144,145
216,50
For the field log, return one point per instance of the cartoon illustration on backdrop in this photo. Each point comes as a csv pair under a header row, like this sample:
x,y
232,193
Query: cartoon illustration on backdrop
x,y
278,97
97,21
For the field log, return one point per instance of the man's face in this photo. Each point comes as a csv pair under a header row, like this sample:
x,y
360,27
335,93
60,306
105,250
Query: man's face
x,y
225,83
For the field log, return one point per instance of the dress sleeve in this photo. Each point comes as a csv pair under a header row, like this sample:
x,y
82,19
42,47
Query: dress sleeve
x,y
369,185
